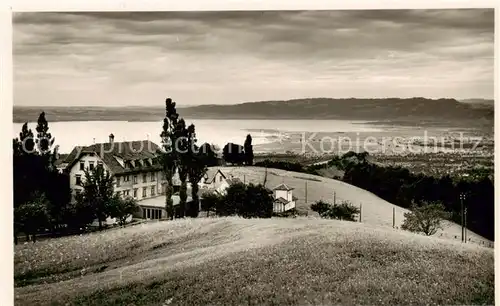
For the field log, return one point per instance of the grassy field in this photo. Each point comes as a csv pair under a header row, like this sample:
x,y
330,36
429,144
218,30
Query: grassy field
x,y
234,261
374,210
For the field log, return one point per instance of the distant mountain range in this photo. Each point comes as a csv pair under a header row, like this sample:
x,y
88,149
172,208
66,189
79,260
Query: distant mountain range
x,y
389,109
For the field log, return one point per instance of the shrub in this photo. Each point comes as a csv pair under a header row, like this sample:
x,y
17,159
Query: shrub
x,y
210,200
344,211
320,207
248,201
121,209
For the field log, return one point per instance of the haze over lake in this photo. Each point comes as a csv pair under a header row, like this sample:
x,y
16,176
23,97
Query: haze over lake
x,y
219,132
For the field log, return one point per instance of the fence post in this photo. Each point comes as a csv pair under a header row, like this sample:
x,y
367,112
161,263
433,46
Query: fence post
x,y
465,224
334,198
306,193
393,217
360,211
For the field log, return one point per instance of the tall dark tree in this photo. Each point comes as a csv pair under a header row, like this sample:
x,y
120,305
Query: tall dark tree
x,y
184,159
35,173
98,192
168,157
248,150
197,168
45,141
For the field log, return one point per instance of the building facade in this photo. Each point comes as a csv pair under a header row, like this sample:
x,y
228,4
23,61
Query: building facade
x,y
283,198
133,165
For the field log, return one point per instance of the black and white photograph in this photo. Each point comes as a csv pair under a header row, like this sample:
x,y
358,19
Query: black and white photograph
x,y
253,157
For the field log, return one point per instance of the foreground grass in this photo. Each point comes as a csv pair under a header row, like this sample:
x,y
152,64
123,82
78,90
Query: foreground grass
x,y
248,262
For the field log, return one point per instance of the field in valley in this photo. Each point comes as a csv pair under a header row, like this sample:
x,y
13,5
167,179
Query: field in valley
x,y
234,261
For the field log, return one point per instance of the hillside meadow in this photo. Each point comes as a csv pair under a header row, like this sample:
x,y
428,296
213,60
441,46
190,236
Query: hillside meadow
x,y
235,261
374,210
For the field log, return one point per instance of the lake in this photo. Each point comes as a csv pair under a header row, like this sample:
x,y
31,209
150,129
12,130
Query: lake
x,y
72,133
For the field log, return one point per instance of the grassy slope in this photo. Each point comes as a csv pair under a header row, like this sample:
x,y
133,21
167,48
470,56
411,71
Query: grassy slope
x,y
375,210
247,262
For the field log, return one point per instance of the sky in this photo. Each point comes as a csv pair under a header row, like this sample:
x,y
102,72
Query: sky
x,y
125,58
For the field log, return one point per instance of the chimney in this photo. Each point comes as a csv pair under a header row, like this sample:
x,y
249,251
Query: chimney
x,y
111,138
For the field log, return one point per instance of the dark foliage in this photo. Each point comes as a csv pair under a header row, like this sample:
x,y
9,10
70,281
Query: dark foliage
x,y
233,154
248,150
249,201
397,185
401,187
36,180
210,157
343,211
425,218
210,201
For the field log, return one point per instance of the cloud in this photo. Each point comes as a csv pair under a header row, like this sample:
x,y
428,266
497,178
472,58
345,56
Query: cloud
x,y
227,57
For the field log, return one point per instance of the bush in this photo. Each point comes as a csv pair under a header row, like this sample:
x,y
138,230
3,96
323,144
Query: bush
x,y
344,211
425,219
248,201
321,207
210,200
121,209
192,209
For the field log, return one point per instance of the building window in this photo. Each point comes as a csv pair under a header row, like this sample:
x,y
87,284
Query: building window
x,y
152,190
82,165
148,215
144,213
135,192
135,179
117,181
99,163
220,178
144,178
78,179
91,165
118,193
153,176
159,214
127,178
144,192
126,192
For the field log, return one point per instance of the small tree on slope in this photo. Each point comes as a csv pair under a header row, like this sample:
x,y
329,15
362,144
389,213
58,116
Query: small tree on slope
x,y
426,219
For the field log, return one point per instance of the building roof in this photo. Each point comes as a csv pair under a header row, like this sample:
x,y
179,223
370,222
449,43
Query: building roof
x,y
61,159
128,151
281,200
233,180
283,186
211,173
